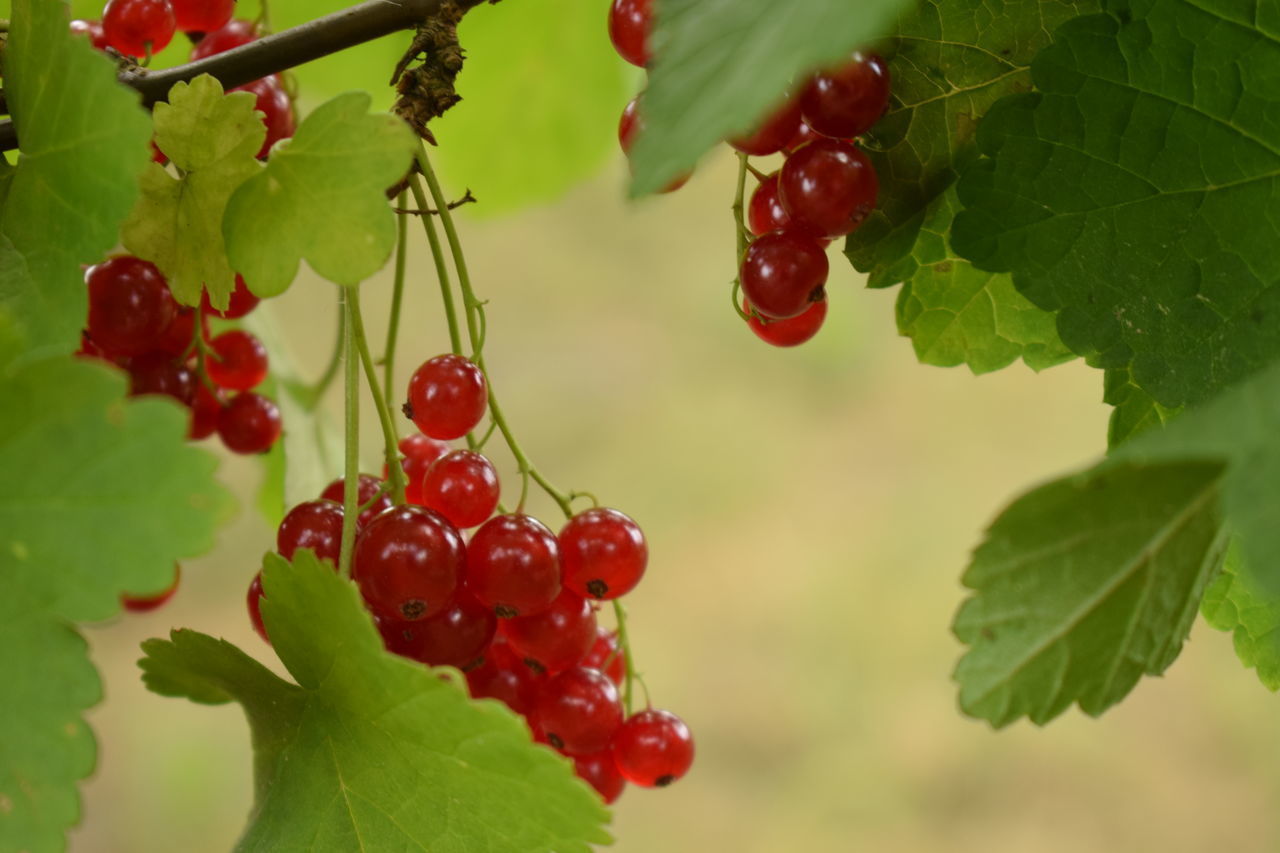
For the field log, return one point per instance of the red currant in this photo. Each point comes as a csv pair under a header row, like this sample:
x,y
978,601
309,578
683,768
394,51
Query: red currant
x,y
765,212
606,656
130,306
408,562
457,636
447,396
419,452
792,331
234,34
804,134
828,186
776,131
513,565
782,272
92,30
556,638
631,125
653,748
143,603
242,301
276,108
312,524
366,488
504,677
600,772
846,101
462,486
180,335
202,16
578,710
630,22
254,602
158,373
238,361
249,423
602,553
138,27
204,413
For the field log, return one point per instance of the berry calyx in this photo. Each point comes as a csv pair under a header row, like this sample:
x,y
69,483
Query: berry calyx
x,y
513,565
312,524
462,486
602,553
447,396
419,452
776,131
238,361
600,772
202,16
249,423
457,636
130,306
782,272
578,711
828,187
138,27
630,22
367,486
276,108
845,102
653,748
241,302
408,561
556,638
234,34
143,603
253,600
792,331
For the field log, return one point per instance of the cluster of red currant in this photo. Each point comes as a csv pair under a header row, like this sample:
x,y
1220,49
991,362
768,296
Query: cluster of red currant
x,y
825,188
513,605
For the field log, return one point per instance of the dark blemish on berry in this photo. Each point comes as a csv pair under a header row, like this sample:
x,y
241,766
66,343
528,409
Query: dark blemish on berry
x,y
505,611
413,609
535,666
555,740
597,588
407,409
664,781
818,294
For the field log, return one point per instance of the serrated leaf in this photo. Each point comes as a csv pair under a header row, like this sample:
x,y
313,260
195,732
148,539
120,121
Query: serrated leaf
x,y
1135,411
83,140
322,198
369,750
213,140
1237,604
101,496
719,65
1136,194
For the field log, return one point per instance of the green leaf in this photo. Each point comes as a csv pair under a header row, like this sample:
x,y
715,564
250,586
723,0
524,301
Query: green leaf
x,y
101,496
322,197
84,139
1235,603
1135,411
213,140
1136,194
720,65
370,750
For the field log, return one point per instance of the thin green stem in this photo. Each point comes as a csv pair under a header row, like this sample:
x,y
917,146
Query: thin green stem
x,y
442,269
390,440
620,617
351,484
397,296
740,228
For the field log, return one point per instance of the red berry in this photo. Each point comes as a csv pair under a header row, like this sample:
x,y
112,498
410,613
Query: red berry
x,y
143,603
408,562
238,361
366,488
630,22
202,16
578,710
158,373
242,301
92,30
462,486
254,602
457,636
312,524
606,656
504,677
602,553
513,565
600,772
777,129
180,335
653,748
782,272
249,423
130,306
419,452
804,134
630,125
792,331
276,108
138,27
828,187
234,34
556,638
765,212
846,101
204,413
447,396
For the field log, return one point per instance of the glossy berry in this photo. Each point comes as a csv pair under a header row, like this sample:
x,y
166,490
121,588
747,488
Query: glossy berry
x,y
630,125
276,108
606,656
462,486
600,772
513,565
602,553
204,413
782,272
202,16
828,187
158,373
447,396
578,711
765,212
776,131
180,336
130,306
630,23
312,524
419,452
408,562
846,101
241,302
556,638
143,603
653,748
138,27
367,487
237,361
504,677
254,602
249,423
792,331
457,636
92,30
804,134
234,34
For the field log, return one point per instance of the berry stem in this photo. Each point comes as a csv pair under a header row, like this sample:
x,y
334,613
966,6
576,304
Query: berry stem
x,y
351,474
442,269
397,296
395,474
740,231
624,645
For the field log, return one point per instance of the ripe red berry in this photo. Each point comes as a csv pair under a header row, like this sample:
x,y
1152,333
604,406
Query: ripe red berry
x,y
804,134
238,361
276,108
462,486
630,125
578,710
138,27
312,524
513,565
254,602
602,553
234,34
606,656
782,272
828,187
408,562
556,638
457,636
180,336
846,101
204,413
765,212
92,30
600,772
158,373
130,306
366,488
249,423
653,748
143,603
630,22
777,129
202,16
419,452
792,331
447,396
504,677
242,301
